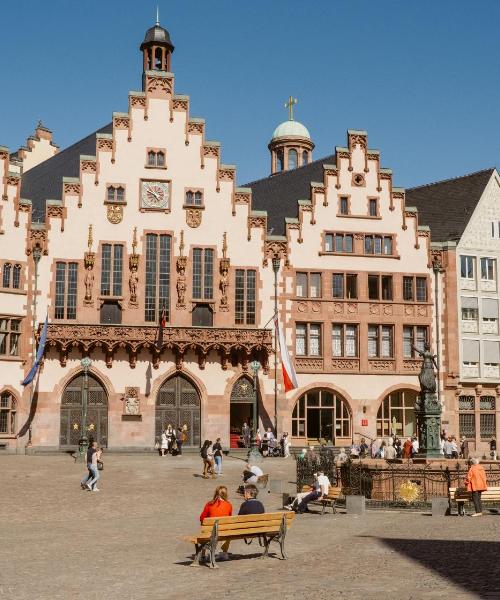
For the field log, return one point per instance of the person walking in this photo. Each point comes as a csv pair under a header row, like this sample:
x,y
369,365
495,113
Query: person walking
x,y
170,433
219,506
217,450
164,443
91,450
95,456
180,439
476,483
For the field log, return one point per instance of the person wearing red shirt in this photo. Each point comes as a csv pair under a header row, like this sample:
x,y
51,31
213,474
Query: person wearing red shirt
x,y
219,506
476,483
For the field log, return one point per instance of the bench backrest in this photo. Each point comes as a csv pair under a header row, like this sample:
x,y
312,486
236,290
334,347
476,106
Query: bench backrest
x,y
264,523
492,493
333,492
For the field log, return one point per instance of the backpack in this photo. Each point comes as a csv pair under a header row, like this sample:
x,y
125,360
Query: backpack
x,y
203,452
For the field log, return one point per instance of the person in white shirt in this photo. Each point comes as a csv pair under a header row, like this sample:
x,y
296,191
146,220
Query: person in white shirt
x,y
252,473
415,445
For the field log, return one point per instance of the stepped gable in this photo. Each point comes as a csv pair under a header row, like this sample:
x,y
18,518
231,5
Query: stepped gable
x,y
278,194
447,206
45,181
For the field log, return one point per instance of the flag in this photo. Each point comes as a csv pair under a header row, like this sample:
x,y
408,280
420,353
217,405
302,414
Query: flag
x,y
289,375
39,354
161,327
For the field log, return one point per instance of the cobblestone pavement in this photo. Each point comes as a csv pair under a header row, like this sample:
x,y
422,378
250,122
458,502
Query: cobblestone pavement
x,y
58,542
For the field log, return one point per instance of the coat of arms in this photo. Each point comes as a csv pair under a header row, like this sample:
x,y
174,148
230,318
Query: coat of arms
x,y
193,217
115,213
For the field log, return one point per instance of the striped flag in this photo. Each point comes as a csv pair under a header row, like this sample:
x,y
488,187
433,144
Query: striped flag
x,y
289,375
161,327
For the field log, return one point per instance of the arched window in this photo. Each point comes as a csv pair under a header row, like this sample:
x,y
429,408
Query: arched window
x,y
194,198
321,415
292,159
151,158
160,159
7,413
305,157
7,268
279,160
158,59
396,414
16,277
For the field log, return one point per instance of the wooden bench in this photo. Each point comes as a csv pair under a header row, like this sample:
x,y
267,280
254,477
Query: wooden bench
x,y
267,527
460,495
331,499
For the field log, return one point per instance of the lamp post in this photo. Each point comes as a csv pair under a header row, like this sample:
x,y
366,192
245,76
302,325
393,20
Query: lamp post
x,y
254,454
83,442
276,268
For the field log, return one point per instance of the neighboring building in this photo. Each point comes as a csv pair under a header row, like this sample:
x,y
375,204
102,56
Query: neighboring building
x,y
464,217
141,220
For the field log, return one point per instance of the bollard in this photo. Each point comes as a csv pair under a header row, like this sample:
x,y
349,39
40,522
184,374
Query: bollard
x,y
440,507
355,505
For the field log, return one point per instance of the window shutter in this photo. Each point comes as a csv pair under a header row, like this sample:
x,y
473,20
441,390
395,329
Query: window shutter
x,y
470,351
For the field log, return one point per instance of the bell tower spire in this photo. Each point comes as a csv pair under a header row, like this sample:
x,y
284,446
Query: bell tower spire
x,y
156,49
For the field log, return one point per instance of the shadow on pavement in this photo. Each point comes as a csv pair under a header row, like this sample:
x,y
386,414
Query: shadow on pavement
x,y
473,565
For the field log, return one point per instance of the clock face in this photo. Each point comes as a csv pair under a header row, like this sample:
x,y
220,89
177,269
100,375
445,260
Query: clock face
x,y
155,194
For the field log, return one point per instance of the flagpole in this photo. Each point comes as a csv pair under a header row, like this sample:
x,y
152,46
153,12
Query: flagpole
x,y
276,268
37,254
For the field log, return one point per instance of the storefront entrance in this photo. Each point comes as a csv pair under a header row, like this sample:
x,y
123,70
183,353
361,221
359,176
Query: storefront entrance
x,y
71,413
178,403
241,407
321,416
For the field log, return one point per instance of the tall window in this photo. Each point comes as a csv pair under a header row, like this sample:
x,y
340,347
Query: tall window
x,y
380,341
292,159
413,336
244,305
280,161
397,414
373,207
342,243
308,285
344,205
7,414
203,273
157,293
111,269
467,267
305,157
16,277
10,332
66,290
378,244
380,287
116,193
414,288
194,198
7,269
344,340
466,416
345,285
308,339
487,417
488,269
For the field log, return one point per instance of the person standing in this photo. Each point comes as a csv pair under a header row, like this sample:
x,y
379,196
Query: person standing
x,y
464,447
407,448
476,483
217,450
245,434
164,443
181,438
207,460
493,449
170,433
414,445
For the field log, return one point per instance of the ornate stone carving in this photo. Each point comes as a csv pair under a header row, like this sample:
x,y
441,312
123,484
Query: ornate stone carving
x,y
356,139
239,343
133,263
421,310
275,249
387,309
88,166
409,310
88,261
180,104
193,217
13,180
121,122
224,265
358,180
412,366
343,154
159,85
195,128
104,144
211,151
131,404
72,189
309,364
226,174
338,308
345,364
37,238
181,276
55,211
381,365
137,101
114,213
242,197
374,309
352,308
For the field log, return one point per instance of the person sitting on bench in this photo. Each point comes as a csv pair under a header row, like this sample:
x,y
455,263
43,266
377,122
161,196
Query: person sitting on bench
x,y
251,506
252,473
321,487
219,506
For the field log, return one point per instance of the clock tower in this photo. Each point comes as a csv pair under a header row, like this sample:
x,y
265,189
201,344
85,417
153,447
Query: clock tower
x,y
156,50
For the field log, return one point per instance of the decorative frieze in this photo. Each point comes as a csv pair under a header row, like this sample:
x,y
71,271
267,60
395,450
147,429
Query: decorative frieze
x,y
309,365
345,364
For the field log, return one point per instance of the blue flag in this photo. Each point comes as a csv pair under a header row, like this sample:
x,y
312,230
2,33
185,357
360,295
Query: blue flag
x,y
39,353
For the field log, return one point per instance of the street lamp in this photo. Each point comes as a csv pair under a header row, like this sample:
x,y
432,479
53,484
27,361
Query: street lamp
x,y
83,442
276,268
254,454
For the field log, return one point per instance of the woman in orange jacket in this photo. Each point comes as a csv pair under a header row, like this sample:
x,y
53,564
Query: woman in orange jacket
x,y
476,483
219,506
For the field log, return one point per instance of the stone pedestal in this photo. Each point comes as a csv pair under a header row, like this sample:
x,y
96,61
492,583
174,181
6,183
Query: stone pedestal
x,y
440,507
428,413
355,505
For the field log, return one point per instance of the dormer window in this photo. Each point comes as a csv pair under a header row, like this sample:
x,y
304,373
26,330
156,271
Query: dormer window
x,y
115,193
194,198
156,159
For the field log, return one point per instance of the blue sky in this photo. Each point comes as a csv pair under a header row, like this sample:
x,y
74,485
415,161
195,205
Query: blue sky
x,y
422,76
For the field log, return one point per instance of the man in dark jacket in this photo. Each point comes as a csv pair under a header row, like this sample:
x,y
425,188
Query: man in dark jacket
x,y
251,506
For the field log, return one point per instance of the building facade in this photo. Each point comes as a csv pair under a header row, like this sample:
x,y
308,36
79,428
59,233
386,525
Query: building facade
x,y
141,222
467,248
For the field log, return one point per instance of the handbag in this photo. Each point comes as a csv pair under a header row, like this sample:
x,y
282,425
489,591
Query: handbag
x,y
100,465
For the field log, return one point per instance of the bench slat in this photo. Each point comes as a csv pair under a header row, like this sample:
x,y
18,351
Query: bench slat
x,y
245,518
241,533
247,525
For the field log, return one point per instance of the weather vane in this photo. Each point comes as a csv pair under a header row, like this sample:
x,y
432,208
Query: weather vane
x,y
290,104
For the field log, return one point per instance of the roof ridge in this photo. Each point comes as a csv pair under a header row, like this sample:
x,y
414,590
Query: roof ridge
x,y
276,175
451,179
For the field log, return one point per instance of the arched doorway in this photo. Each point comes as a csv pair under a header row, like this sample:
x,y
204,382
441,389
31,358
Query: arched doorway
x,y
321,414
396,414
241,408
178,403
71,412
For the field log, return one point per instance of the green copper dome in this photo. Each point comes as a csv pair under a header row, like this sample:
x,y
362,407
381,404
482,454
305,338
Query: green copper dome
x,y
291,129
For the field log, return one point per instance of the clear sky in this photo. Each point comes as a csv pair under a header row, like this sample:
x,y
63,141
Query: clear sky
x,y
422,76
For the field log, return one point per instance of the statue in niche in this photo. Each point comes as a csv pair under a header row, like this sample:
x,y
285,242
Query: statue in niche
x,y
89,283
224,284
133,282
181,282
